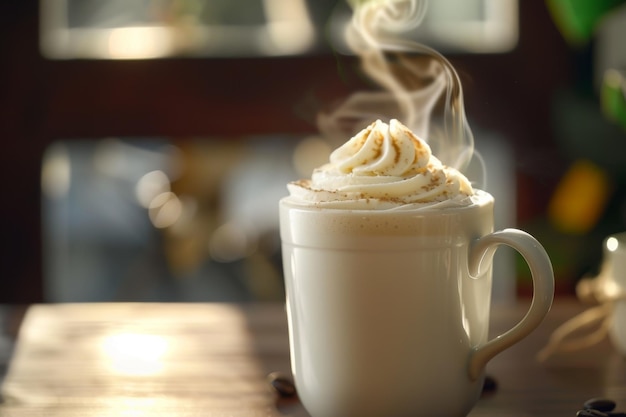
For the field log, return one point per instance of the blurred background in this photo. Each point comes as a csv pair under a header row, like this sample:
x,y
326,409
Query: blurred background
x,y
146,142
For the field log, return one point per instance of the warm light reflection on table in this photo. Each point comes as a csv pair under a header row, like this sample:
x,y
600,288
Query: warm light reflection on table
x,y
186,360
134,353
137,359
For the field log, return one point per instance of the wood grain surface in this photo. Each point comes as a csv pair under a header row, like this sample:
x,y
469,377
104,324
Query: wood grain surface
x,y
214,359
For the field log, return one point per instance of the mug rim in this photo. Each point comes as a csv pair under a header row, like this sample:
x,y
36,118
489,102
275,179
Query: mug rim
x,y
310,226
479,199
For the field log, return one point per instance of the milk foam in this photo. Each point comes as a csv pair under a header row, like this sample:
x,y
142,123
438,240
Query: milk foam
x,y
382,167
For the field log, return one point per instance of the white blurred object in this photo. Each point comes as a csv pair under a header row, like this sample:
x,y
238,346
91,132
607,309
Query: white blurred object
x,y
475,26
148,29
614,272
610,53
498,174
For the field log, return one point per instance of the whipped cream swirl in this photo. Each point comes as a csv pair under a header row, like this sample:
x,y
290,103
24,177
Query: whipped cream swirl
x,y
383,166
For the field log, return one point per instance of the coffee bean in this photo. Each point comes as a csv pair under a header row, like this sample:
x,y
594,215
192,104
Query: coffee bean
x,y
591,413
282,384
600,404
490,385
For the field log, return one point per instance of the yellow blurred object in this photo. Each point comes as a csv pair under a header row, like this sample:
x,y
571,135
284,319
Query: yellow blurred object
x,y
580,198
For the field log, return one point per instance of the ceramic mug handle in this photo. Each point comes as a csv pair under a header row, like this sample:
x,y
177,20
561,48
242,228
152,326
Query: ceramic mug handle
x,y
543,290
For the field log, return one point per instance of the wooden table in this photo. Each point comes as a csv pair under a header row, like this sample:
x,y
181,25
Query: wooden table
x,y
213,360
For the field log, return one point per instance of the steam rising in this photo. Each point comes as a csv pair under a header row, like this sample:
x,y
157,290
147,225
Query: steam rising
x,y
420,86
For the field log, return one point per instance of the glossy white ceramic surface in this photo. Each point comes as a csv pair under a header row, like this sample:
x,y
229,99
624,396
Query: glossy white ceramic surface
x,y
388,311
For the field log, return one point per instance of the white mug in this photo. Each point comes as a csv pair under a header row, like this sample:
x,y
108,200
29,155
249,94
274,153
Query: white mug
x,y
613,278
388,311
